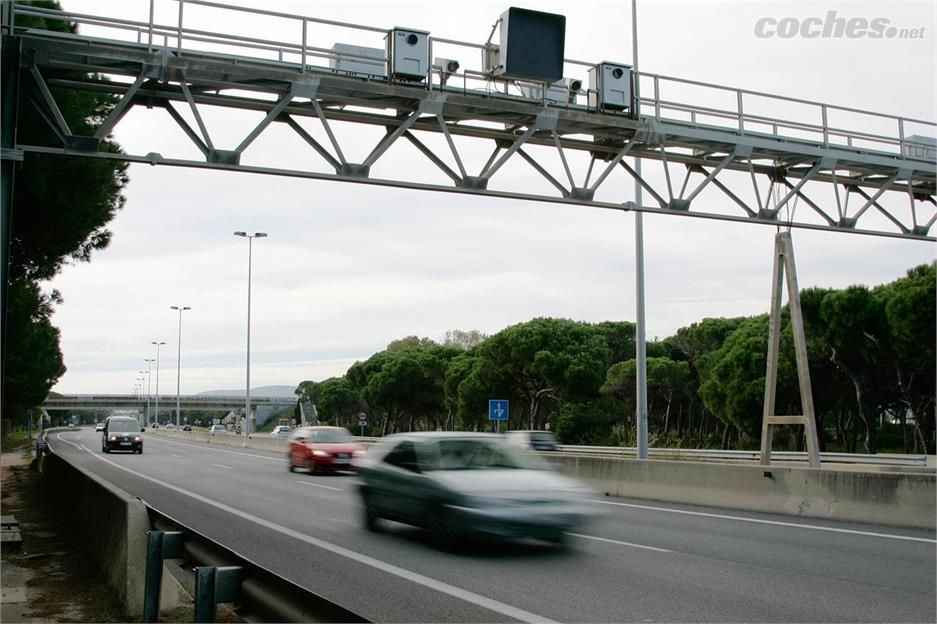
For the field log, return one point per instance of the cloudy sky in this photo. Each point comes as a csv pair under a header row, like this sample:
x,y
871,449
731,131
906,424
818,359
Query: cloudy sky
x,y
347,268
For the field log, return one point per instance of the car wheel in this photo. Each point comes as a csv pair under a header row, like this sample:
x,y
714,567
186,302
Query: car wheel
x,y
369,512
106,449
311,467
559,538
446,532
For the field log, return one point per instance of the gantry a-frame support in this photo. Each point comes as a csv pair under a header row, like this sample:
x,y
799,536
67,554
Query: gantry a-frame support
x,y
784,263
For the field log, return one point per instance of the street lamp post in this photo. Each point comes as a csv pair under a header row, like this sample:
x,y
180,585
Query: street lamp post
x,y
140,381
640,319
181,309
156,415
247,401
149,378
143,394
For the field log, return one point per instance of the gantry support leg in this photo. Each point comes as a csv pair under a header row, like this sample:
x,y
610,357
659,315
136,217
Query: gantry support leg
x,y
784,263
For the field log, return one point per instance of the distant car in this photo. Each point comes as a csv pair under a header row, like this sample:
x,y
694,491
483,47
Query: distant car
x,y
170,426
216,429
99,427
322,449
460,484
281,431
186,427
532,440
155,425
121,433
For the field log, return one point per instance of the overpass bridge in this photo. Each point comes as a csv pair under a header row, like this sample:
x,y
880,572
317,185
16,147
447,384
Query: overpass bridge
x,y
262,408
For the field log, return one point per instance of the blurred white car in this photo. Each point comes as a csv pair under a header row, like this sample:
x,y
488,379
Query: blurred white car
x,y
460,484
216,429
532,440
281,431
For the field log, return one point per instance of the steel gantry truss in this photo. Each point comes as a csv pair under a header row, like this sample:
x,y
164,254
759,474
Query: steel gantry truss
x,y
720,163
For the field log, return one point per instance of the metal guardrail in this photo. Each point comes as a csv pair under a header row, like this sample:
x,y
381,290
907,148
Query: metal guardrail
x,y
882,459
889,459
893,134
255,593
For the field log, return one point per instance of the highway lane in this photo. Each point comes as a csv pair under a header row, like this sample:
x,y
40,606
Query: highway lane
x,y
640,562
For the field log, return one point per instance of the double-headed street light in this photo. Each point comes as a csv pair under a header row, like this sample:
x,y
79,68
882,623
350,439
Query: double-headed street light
x,y
161,342
247,401
179,358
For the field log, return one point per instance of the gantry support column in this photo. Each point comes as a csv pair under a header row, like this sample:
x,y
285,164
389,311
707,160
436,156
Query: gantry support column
x,y
784,263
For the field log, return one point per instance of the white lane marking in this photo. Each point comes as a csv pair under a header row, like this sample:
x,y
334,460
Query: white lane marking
x,y
58,436
325,487
223,466
174,455
414,577
210,448
620,543
794,525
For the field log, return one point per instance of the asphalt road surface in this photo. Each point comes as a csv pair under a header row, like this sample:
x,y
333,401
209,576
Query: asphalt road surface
x,y
638,562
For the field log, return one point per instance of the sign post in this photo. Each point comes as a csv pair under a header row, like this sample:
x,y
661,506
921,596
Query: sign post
x,y
362,421
498,411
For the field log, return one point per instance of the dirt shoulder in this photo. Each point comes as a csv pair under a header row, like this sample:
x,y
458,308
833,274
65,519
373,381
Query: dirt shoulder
x,y
50,578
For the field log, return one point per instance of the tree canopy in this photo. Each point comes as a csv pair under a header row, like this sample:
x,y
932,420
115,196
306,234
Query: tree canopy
x,y
60,210
871,357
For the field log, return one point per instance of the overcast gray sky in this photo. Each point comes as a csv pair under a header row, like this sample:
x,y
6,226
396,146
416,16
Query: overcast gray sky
x,y
347,268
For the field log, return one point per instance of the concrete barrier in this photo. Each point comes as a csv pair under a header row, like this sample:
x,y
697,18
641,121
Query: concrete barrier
x,y
888,498
260,441
111,523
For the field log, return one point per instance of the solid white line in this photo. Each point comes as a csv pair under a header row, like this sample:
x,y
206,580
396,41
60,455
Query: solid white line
x,y
174,455
414,577
223,466
58,436
620,543
326,487
794,525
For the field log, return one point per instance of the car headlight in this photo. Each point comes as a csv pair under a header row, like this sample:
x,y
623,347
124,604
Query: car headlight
x,y
113,438
137,439
359,453
319,453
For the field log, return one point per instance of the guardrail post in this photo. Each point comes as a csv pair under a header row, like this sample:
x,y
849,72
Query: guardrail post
x,y
214,585
159,545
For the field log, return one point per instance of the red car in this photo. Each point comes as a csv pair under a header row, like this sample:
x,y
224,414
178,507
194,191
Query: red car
x,y
322,449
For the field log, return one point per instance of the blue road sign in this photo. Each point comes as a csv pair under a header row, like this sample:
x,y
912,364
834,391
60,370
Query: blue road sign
x,y
498,409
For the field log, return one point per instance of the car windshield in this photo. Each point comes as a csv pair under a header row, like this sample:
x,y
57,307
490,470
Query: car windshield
x,y
331,436
123,426
478,455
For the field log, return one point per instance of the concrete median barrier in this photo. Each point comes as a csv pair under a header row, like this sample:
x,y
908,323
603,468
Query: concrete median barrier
x,y
888,498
